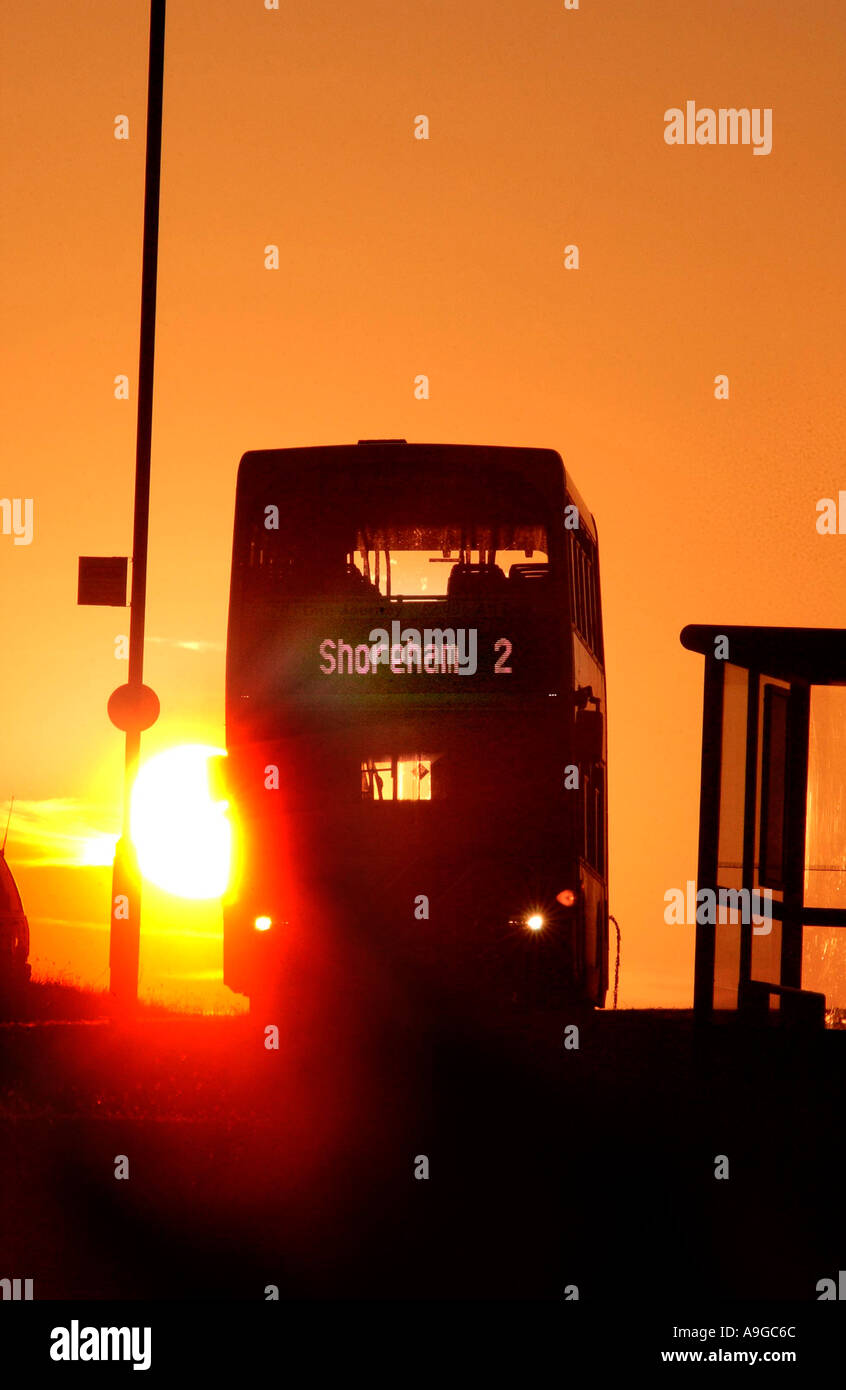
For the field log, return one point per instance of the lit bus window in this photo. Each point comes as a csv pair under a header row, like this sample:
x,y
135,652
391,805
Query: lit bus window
x,y
396,779
429,562
472,559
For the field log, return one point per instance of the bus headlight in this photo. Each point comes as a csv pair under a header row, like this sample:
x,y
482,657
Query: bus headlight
x,y
263,923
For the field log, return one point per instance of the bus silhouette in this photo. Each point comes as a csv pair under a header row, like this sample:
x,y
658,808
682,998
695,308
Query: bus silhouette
x,y
415,715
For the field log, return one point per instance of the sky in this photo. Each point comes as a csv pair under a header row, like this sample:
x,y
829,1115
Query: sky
x,y
399,256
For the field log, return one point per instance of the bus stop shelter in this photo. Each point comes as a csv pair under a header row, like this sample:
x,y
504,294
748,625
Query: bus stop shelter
x,y
772,818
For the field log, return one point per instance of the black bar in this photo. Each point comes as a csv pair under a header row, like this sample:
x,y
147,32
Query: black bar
x,y
216,1342
824,916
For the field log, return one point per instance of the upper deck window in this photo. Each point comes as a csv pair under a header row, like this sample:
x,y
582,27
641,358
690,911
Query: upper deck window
x,y
584,591
437,562
399,560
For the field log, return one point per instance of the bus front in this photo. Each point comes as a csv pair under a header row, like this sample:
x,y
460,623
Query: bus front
x,y
400,715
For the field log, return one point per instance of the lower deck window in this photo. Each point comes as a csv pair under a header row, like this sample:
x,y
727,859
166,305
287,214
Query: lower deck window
x,y
396,779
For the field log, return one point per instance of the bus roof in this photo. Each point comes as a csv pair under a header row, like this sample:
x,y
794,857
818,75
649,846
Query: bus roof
x,y
543,467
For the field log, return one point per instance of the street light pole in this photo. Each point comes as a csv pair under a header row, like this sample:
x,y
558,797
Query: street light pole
x,y
126,885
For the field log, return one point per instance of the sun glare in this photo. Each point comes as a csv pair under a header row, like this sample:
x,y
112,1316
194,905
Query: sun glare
x,y
182,836
97,851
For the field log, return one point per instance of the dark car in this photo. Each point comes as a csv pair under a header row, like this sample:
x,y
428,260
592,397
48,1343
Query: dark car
x,y
14,936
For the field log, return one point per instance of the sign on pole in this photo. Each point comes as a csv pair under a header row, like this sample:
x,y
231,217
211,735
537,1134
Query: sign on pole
x,y
102,580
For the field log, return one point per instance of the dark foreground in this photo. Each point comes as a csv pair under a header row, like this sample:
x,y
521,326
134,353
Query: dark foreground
x,y
548,1167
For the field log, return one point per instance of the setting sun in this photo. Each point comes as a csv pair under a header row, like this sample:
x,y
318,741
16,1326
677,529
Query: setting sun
x,y
180,832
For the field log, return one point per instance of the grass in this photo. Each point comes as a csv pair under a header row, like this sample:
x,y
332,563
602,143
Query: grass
x,y
63,1000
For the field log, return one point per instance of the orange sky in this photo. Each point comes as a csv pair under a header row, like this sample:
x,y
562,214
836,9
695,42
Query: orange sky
x,y
401,257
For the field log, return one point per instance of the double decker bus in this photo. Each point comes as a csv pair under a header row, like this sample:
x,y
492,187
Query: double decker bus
x,y
416,717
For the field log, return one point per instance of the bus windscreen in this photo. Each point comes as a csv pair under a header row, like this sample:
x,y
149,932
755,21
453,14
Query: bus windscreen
x,y
426,601
393,561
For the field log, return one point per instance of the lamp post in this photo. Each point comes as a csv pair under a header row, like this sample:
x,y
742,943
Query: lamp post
x,y
134,707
